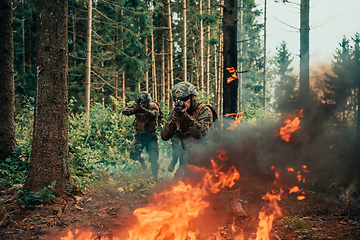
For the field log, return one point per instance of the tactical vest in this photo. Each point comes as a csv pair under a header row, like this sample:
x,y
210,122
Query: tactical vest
x,y
143,123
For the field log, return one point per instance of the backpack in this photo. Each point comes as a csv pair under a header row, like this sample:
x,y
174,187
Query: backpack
x,y
213,110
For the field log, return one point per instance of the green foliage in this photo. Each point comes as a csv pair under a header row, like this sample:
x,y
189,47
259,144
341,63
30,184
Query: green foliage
x,y
285,94
29,199
101,144
14,169
293,223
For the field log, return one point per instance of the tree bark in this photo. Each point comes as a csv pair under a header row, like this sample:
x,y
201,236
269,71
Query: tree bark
x,y
184,43
304,90
201,44
163,86
221,62
7,89
50,154
153,63
208,52
171,69
230,90
88,61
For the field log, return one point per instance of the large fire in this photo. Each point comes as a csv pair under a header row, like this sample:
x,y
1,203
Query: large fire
x,y
291,125
169,215
233,76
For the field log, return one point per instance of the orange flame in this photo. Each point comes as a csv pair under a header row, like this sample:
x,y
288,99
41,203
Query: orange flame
x,y
169,216
84,235
233,76
265,226
290,127
238,117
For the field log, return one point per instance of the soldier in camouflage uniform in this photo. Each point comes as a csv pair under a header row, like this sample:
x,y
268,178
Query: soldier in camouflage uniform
x,y
189,120
145,123
178,153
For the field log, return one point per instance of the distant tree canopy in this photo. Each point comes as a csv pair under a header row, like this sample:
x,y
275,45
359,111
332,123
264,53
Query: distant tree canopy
x,y
342,84
285,93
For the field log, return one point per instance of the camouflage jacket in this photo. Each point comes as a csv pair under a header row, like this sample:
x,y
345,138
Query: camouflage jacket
x,y
198,120
146,119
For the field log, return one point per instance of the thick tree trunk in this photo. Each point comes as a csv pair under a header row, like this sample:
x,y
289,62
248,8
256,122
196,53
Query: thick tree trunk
x,y
304,90
50,154
241,54
88,61
230,90
7,89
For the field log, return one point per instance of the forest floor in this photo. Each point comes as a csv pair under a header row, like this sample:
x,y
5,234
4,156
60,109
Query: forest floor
x,y
108,213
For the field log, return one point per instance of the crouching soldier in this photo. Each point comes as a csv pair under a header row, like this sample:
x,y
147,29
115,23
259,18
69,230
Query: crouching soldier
x,y
146,122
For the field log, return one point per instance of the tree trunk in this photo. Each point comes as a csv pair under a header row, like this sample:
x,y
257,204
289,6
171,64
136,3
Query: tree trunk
x,y
221,62
184,42
50,154
88,61
7,89
153,63
230,90
208,52
216,80
163,86
171,69
201,44
123,87
264,81
147,72
304,90
241,54
23,36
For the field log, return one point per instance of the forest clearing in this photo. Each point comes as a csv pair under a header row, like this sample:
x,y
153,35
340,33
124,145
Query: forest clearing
x,y
168,120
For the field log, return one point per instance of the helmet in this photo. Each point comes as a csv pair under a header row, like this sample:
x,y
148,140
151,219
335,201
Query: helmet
x,y
182,90
143,97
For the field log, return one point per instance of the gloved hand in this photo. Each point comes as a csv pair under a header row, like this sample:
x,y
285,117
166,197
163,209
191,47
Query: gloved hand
x,y
180,114
179,106
139,108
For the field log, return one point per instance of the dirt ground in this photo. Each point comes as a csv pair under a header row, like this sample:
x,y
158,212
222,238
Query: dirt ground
x,y
109,214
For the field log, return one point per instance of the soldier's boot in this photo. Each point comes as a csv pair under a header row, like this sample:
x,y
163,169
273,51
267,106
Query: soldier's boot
x,y
155,169
172,165
236,205
142,162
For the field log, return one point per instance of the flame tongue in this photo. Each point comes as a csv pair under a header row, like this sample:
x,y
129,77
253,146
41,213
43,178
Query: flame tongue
x,y
290,127
169,215
233,76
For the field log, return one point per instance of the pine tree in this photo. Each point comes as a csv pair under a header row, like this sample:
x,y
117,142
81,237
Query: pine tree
x,y
285,93
340,83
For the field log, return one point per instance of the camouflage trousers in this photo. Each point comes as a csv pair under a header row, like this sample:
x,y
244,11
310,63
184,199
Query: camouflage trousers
x,y
150,143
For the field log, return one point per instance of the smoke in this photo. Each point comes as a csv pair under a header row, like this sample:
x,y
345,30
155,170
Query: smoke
x,y
253,148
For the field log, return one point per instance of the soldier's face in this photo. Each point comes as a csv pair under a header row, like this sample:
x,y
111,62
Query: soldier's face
x,y
187,102
144,104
